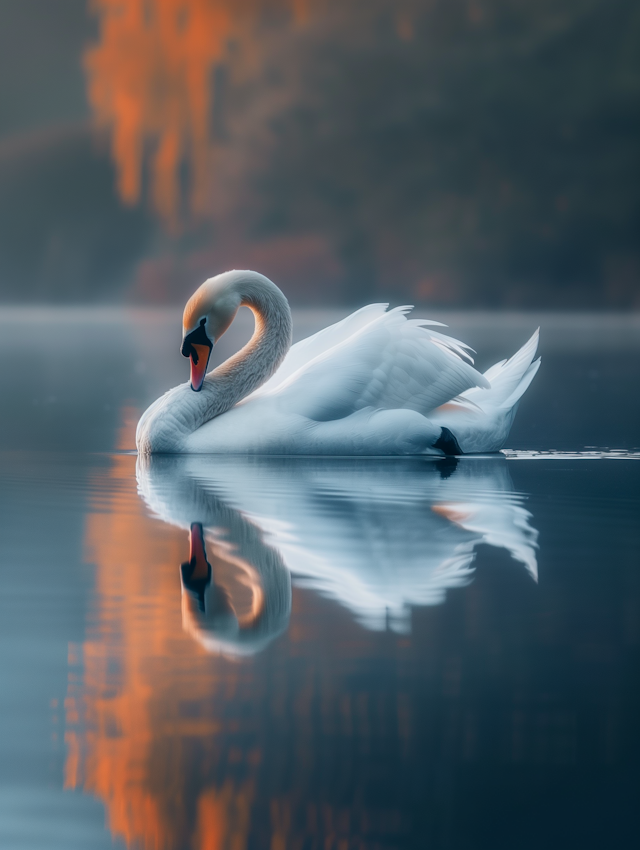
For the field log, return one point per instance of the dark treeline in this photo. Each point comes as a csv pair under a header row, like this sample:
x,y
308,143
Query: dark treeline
x,y
467,152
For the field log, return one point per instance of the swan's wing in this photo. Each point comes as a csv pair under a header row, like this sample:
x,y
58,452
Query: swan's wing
x,y
389,363
308,349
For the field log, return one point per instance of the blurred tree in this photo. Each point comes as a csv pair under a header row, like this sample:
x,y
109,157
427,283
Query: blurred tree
x,y
466,152
487,154
64,235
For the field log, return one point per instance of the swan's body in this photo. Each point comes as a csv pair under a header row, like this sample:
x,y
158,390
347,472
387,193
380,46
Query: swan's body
x,y
376,383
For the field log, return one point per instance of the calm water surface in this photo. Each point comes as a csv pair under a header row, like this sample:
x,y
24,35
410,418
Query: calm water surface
x,y
217,653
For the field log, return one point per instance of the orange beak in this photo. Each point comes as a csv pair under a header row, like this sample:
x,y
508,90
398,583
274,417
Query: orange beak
x,y
199,357
197,345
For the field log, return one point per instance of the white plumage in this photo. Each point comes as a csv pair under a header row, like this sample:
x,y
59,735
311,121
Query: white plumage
x,y
376,383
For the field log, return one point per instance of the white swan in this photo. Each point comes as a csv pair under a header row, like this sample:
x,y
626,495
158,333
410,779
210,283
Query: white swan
x,y
376,383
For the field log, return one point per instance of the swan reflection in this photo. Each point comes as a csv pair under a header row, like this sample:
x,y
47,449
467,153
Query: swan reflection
x,y
377,536
187,749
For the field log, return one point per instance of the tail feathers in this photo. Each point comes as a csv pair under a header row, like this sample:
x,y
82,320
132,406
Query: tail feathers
x,y
494,371
479,420
522,387
509,378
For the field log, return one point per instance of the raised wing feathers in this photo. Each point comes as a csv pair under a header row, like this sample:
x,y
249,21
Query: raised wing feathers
x,y
388,363
313,346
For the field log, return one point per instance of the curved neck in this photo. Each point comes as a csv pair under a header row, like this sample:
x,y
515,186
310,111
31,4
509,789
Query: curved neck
x,y
254,364
180,412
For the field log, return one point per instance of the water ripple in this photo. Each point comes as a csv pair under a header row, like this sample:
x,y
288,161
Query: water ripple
x,y
553,454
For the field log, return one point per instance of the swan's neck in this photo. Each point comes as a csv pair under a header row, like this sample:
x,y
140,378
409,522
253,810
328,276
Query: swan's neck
x,y
261,356
181,411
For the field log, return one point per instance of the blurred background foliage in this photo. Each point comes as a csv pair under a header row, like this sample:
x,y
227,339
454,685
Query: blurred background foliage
x,y
457,152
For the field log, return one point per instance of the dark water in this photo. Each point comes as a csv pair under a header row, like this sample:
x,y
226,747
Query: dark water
x,y
361,654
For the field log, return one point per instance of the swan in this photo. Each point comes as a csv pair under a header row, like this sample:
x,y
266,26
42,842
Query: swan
x,y
375,383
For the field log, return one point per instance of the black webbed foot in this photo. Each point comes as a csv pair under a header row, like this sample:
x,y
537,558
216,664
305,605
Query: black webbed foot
x,y
447,443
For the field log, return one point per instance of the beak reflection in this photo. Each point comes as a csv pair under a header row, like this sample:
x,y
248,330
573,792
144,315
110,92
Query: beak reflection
x,y
196,572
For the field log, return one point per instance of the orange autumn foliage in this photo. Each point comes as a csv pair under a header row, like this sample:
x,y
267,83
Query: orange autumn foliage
x,y
149,83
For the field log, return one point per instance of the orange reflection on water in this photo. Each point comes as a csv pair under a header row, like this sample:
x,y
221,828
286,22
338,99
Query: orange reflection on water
x,y
149,82
146,693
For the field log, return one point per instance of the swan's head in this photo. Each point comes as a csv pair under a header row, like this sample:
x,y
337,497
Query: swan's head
x,y
208,314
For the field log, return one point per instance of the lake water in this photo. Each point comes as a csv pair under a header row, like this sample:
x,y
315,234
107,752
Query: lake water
x,y
213,653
